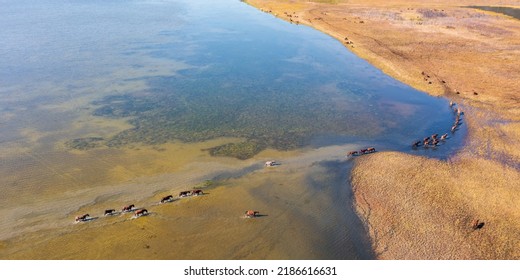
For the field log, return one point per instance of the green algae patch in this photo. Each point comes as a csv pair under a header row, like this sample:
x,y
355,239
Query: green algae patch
x,y
243,150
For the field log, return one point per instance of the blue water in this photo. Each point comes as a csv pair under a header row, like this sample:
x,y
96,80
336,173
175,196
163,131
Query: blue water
x,y
196,70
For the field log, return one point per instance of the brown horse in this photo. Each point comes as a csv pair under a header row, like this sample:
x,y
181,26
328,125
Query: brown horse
x,y
444,136
371,150
128,208
110,212
353,153
140,212
416,144
251,213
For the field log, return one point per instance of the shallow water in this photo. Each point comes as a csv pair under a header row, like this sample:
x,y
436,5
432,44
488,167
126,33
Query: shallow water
x,y
101,98
512,12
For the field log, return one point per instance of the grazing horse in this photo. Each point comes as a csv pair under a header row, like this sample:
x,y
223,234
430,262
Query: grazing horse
x,y
110,212
168,198
476,224
82,218
128,208
416,144
251,213
197,192
184,193
444,136
140,212
353,153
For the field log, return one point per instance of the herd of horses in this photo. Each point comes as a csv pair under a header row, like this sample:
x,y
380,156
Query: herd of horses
x,y
433,140
138,212
429,141
368,150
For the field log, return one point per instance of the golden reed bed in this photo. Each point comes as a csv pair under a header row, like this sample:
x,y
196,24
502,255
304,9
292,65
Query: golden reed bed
x,y
420,208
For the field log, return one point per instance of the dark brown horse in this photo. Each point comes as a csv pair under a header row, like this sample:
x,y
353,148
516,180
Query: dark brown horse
x,y
82,218
371,150
197,192
476,224
168,198
184,193
110,212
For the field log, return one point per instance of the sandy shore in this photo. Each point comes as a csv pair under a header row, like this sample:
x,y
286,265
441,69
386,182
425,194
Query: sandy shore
x,y
420,208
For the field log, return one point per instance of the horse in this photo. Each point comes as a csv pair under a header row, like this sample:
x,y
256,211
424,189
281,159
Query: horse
x,y
477,224
426,139
416,144
197,192
353,153
453,128
434,136
270,163
363,151
128,208
82,218
184,193
140,212
444,136
452,103
168,198
110,212
371,150
251,213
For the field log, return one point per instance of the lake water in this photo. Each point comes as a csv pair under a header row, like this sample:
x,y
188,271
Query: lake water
x,y
95,94
512,12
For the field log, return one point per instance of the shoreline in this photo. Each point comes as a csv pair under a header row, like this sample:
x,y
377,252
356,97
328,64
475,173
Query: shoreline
x,y
467,56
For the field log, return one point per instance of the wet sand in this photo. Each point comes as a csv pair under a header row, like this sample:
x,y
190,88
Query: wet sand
x,y
420,208
294,224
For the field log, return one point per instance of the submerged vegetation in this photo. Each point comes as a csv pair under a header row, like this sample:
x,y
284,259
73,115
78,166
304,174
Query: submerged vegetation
x,y
197,111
